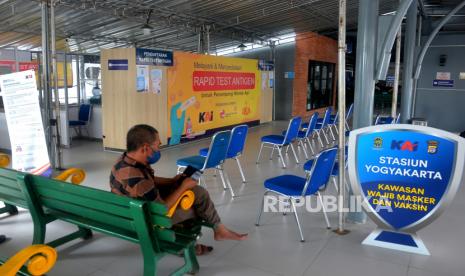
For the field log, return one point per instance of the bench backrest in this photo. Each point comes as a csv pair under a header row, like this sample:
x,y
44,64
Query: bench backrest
x,y
10,190
131,219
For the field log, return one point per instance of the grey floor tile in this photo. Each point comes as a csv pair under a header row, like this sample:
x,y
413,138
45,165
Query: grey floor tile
x,y
331,263
274,250
419,272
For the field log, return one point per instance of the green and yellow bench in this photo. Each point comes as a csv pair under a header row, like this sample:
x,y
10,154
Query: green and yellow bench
x,y
33,260
141,222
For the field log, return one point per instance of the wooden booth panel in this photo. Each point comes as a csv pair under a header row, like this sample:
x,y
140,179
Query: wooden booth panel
x,y
123,107
266,100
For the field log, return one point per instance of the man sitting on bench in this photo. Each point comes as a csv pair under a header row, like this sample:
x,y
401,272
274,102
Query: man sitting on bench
x,y
132,176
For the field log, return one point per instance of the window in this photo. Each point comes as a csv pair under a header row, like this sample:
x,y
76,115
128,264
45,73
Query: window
x,y
320,84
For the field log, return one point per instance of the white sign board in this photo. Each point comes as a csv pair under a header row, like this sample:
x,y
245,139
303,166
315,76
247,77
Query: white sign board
x,y
443,75
24,120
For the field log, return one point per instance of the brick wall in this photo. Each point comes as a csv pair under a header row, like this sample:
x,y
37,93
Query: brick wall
x,y
310,46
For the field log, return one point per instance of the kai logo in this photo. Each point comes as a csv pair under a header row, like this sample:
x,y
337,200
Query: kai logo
x,y
404,145
205,117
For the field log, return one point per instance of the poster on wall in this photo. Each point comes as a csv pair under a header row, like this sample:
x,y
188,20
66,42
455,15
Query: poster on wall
x,y
156,77
207,93
406,176
24,121
142,81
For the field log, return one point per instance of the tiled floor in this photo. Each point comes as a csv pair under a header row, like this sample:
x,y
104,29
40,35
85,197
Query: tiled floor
x,y
272,249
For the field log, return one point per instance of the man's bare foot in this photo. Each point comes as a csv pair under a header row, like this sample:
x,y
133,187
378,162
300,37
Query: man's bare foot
x,y
223,233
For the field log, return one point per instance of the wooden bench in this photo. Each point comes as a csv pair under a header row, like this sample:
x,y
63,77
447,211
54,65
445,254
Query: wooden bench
x,y
141,222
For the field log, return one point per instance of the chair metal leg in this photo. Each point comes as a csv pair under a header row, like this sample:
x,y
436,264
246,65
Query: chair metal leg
x,y
228,182
286,205
295,154
310,145
297,220
260,209
347,126
318,134
328,225
335,183
304,148
332,133
259,153
271,154
240,169
325,135
281,156
220,171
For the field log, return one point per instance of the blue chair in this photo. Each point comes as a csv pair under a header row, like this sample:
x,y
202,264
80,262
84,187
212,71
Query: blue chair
x,y
320,120
320,127
294,188
279,141
84,113
303,137
214,159
236,146
334,172
348,116
333,124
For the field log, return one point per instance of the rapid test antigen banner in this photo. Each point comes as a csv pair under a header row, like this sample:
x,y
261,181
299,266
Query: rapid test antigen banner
x,y
207,93
24,120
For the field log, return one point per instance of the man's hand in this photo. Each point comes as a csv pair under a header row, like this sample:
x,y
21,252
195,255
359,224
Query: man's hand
x,y
188,184
178,177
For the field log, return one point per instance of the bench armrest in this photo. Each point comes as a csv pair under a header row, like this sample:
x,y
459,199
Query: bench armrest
x,y
77,175
40,258
4,160
185,201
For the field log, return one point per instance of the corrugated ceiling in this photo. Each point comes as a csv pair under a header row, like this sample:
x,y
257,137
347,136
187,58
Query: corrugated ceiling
x,y
89,25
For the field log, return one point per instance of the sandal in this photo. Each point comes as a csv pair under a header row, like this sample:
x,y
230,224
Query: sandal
x,y
201,249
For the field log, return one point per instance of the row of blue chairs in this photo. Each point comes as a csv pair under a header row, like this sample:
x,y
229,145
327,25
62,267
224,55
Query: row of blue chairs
x,y
224,145
302,133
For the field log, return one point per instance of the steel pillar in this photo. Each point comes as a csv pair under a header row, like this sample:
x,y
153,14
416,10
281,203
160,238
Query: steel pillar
x,y
395,91
409,56
367,33
341,77
58,150
47,102
365,63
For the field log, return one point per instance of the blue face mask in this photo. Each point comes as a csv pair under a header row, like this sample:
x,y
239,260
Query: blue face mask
x,y
152,159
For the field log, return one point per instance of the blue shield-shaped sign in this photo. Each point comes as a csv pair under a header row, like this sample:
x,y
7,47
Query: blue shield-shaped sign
x,y
406,174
